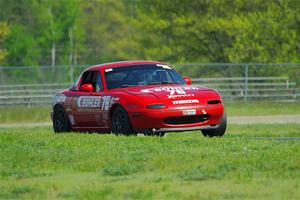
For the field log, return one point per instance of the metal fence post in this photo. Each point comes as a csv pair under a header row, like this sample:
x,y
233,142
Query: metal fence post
x,y
26,86
246,82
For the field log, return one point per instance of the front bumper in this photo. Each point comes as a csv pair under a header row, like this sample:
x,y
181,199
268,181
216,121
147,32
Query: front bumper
x,y
193,128
155,119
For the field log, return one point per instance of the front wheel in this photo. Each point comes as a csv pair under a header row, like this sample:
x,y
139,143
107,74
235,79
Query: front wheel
x,y
149,132
120,122
60,120
218,132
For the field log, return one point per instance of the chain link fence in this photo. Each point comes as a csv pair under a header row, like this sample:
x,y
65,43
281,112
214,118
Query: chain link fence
x,y
250,81
247,81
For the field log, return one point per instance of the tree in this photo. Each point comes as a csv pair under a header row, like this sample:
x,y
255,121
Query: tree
x,y
109,34
37,26
4,31
55,32
219,31
57,22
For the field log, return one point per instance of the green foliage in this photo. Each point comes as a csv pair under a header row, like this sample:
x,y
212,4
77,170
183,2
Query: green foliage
x,y
89,32
37,27
4,31
219,31
106,27
57,21
79,32
21,47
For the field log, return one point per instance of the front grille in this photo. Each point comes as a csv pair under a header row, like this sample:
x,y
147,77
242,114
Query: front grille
x,y
213,102
186,119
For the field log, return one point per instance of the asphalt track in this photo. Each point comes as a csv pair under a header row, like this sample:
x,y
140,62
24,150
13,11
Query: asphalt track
x,y
269,119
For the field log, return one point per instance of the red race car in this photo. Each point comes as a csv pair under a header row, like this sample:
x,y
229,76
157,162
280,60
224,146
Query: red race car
x,y
133,97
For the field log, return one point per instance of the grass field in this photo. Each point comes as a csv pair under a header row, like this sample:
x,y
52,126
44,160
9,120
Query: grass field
x,y
42,114
249,162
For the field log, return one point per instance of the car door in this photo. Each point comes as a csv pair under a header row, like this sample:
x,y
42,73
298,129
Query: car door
x,y
86,106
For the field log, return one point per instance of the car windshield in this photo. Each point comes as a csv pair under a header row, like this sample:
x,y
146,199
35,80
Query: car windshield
x,y
137,75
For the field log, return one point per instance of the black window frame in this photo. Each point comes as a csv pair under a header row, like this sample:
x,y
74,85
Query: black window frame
x,y
97,83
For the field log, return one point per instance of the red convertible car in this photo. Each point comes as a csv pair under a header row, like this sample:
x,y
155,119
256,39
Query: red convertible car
x,y
133,97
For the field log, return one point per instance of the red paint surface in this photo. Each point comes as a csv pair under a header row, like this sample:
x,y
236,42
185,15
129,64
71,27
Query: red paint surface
x,y
92,110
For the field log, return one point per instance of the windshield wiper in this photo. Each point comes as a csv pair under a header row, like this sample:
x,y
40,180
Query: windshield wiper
x,y
124,86
161,82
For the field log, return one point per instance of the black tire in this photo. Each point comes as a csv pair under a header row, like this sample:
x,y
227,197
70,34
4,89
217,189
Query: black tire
x,y
158,134
60,120
120,122
218,132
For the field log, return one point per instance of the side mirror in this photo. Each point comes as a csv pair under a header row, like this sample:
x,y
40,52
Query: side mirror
x,y
188,80
87,88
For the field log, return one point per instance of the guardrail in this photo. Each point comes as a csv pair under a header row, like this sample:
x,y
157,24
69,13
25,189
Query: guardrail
x,y
29,94
231,88
253,88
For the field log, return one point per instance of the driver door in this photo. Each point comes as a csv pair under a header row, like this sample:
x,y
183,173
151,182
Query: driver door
x,y
87,105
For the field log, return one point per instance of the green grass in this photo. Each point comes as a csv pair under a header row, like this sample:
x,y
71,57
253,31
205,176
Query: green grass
x,y
249,162
42,114
24,114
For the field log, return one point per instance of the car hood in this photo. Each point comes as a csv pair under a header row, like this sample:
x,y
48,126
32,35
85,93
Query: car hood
x,y
175,93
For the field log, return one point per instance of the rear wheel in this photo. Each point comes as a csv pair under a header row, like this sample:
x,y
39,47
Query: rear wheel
x,y
120,122
60,120
218,132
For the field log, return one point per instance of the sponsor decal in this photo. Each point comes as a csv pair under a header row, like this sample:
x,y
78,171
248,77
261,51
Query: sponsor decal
x,y
59,98
189,112
174,92
186,101
88,102
106,101
163,66
108,70
180,95
95,103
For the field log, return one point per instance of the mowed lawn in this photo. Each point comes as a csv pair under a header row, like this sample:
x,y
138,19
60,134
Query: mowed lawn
x,y
249,162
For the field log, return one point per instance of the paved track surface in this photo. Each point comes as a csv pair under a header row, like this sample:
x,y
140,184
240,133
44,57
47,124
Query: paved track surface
x,y
270,119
